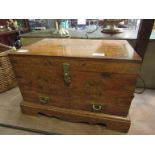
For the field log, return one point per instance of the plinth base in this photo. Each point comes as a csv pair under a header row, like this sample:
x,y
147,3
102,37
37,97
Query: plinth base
x,y
111,122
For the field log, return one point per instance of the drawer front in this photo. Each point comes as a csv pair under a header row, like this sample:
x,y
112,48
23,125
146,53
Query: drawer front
x,y
113,106
90,90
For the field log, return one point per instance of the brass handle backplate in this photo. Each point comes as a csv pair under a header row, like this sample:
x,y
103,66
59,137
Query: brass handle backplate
x,y
43,99
67,78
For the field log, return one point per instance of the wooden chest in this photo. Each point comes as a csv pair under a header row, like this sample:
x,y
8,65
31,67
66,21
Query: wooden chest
x,y
78,80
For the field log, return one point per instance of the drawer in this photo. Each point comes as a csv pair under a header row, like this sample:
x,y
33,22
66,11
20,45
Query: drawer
x,y
113,106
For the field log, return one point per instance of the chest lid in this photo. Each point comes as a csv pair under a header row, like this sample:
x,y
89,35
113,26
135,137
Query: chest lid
x,y
82,48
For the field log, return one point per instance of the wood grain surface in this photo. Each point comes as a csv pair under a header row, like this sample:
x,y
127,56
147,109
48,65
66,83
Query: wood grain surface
x,y
111,49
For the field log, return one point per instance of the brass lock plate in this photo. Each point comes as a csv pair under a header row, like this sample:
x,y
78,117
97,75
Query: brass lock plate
x,y
67,78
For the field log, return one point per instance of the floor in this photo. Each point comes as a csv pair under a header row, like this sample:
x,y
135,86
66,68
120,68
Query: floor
x,y
142,114
10,131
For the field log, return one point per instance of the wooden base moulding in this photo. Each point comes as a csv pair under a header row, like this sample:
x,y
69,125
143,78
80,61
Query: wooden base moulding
x,y
111,122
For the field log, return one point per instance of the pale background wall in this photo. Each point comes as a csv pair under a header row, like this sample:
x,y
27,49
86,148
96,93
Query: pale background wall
x,y
148,66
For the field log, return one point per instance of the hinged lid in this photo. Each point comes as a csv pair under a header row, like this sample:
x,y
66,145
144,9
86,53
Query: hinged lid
x,y
83,48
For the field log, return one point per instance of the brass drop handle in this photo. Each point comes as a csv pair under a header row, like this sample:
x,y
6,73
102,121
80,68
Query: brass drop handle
x,y
97,107
67,78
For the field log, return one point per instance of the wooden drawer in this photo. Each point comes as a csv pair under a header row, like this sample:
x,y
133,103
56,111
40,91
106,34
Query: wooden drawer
x,y
114,106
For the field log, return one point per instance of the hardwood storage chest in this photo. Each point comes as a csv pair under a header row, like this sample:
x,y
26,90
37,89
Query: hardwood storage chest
x,y
78,80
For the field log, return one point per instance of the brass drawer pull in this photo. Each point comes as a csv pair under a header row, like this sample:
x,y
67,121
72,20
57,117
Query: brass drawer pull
x,y
97,107
67,78
43,99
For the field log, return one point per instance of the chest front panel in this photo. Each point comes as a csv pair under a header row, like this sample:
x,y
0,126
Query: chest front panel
x,y
97,86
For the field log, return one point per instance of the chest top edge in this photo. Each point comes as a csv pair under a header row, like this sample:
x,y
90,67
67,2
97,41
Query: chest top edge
x,y
81,48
